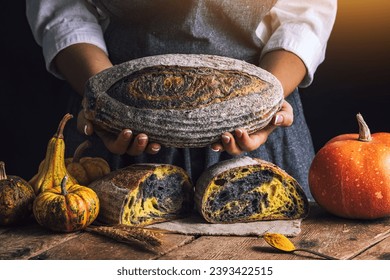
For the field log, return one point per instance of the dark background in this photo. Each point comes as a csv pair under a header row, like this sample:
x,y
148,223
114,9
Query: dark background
x,y
354,78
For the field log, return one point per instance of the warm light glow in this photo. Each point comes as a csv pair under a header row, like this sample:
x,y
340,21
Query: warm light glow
x,y
359,21
358,48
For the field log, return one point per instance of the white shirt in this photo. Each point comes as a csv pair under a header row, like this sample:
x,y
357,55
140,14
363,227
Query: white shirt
x,y
302,27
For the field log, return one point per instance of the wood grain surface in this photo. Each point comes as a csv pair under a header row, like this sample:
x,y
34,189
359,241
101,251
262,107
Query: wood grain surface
x,y
322,232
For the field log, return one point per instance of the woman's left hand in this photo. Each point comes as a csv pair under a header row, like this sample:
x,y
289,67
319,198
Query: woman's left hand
x,y
241,141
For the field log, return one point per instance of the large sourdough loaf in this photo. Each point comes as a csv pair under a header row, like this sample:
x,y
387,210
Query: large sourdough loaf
x,y
247,189
142,194
182,100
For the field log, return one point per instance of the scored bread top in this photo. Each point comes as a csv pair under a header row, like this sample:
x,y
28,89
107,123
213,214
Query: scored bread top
x,y
183,100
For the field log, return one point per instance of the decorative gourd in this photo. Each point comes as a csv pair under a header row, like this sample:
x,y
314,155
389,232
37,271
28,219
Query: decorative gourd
x,y
142,194
86,169
52,169
16,198
350,175
182,100
245,189
66,208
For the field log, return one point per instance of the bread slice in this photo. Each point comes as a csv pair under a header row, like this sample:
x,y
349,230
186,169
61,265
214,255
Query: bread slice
x,y
247,189
143,194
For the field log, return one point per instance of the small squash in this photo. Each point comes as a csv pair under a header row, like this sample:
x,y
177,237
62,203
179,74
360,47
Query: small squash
x,y
350,175
16,198
52,169
66,209
86,169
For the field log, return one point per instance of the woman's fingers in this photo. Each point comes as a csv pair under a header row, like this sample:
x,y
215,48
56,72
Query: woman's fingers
x,y
153,148
243,142
229,144
84,126
285,116
139,145
118,145
123,143
251,142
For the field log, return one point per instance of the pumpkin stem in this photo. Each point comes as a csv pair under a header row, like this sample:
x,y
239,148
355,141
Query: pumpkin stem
x,y
63,185
80,150
61,126
364,131
3,175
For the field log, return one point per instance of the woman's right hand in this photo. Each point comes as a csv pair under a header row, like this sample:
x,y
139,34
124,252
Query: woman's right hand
x,y
124,143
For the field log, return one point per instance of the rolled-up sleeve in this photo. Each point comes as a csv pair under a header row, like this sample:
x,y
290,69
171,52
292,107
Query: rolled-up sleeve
x,y
302,27
58,24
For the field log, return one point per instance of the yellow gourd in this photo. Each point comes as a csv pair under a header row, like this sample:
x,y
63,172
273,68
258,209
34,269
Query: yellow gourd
x,y
52,170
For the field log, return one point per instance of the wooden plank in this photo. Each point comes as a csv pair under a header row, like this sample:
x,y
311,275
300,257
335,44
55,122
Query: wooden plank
x,y
226,248
22,242
89,246
233,248
380,251
321,231
341,238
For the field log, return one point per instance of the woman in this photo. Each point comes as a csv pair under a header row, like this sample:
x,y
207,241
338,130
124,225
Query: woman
x,y
286,37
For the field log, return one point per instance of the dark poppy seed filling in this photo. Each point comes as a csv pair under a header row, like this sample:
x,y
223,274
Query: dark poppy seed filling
x,y
241,190
162,195
252,193
168,191
142,194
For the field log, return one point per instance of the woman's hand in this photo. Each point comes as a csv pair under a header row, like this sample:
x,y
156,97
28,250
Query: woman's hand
x,y
241,141
124,143
290,70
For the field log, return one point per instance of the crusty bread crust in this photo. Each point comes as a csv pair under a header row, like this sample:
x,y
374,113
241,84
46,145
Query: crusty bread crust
x,y
182,100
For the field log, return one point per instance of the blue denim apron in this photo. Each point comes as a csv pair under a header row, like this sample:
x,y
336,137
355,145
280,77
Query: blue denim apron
x,y
141,28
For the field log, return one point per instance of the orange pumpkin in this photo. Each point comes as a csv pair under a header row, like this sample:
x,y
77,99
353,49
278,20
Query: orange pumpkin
x,y
350,175
86,169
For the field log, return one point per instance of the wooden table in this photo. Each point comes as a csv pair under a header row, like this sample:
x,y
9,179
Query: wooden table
x,y
341,238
